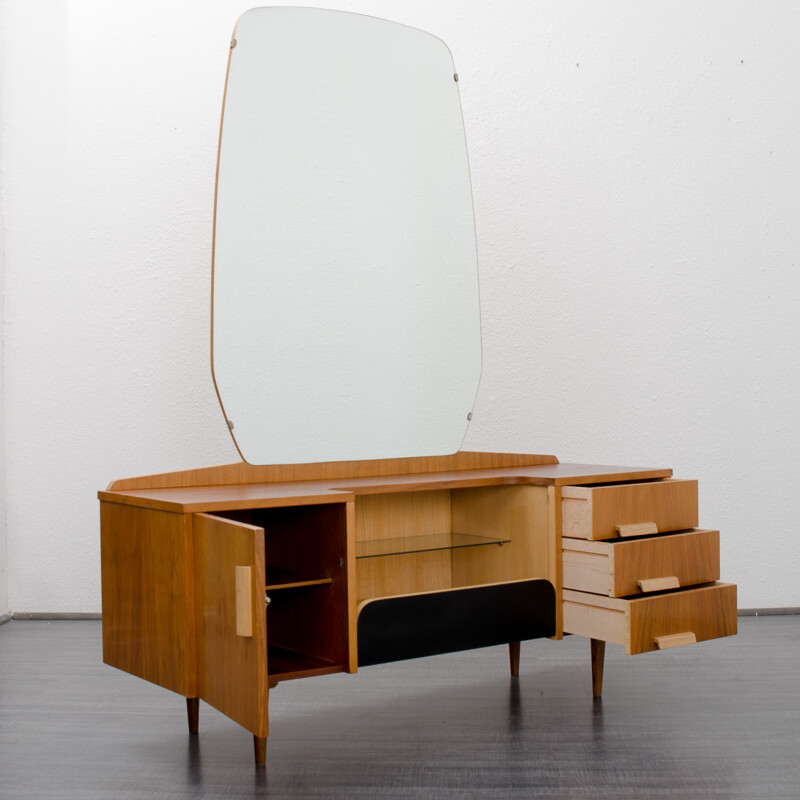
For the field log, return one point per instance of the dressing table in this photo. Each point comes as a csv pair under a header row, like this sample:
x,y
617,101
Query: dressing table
x,y
346,355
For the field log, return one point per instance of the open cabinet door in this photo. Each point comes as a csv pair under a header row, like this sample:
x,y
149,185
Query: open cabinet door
x,y
231,619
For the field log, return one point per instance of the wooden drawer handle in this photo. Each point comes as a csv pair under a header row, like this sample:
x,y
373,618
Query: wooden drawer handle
x,y
637,529
244,601
659,584
675,640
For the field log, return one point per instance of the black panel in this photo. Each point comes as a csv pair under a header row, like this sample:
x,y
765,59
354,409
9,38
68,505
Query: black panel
x,y
397,628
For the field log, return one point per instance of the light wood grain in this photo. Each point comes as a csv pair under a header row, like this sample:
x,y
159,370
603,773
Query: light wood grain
x,y
675,640
222,497
592,620
518,513
409,573
333,470
556,563
148,595
396,515
659,584
311,527
232,672
597,512
210,499
637,529
244,600
537,475
588,572
616,568
709,612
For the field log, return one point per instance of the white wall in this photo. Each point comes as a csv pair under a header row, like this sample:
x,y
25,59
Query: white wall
x,y
636,170
3,534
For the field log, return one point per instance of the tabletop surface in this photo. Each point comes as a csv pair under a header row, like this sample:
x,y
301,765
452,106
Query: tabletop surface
x,y
192,499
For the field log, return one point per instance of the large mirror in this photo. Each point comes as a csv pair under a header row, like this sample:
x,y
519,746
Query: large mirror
x,y
345,320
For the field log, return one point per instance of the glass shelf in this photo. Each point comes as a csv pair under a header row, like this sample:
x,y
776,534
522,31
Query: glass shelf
x,y
420,544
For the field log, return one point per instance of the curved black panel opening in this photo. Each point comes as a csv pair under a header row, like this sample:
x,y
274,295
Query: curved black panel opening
x,y
397,628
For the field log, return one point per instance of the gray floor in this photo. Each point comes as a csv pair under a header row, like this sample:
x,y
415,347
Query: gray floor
x,y
719,720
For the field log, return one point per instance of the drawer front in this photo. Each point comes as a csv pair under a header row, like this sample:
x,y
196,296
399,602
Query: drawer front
x,y
632,567
595,512
653,622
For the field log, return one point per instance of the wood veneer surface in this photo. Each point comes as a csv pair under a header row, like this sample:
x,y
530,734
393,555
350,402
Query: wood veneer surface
x,y
615,567
595,512
232,673
189,499
148,595
517,513
242,472
708,611
400,514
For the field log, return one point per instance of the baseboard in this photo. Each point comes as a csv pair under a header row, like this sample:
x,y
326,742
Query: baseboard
x,y
25,615
33,615
768,612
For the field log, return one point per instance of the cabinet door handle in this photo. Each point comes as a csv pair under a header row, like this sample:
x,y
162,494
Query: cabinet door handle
x,y
675,640
637,529
244,601
659,584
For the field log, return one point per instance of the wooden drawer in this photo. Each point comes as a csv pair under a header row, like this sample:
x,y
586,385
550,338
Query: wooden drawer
x,y
595,512
653,622
649,564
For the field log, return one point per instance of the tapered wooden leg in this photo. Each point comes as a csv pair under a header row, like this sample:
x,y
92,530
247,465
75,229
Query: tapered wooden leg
x,y
598,648
193,713
260,749
513,658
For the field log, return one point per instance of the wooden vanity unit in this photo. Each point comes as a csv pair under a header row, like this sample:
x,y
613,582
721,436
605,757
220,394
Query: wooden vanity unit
x,y
346,325
219,583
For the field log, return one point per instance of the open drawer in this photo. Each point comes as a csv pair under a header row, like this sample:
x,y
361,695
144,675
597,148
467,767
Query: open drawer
x,y
636,566
628,509
653,622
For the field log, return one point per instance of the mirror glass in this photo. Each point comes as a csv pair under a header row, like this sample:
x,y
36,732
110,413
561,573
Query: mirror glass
x,y
345,319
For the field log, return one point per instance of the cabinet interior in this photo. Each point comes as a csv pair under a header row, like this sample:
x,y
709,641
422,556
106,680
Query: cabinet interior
x,y
305,549
412,542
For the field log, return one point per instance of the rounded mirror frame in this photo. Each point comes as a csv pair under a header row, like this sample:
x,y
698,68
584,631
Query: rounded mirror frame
x,y
345,309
